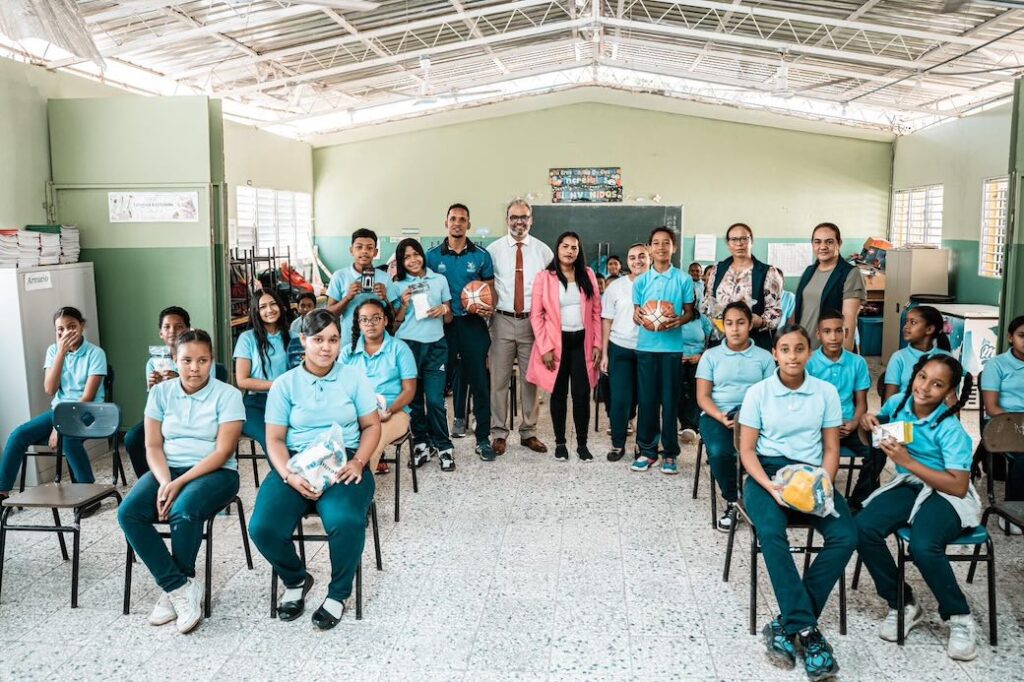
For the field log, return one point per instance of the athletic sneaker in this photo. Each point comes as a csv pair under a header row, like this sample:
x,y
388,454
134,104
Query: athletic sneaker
x,y
1014,529
421,454
187,601
912,616
446,460
779,646
584,454
819,661
963,637
642,463
163,612
615,454
668,466
485,451
561,452
458,428
728,518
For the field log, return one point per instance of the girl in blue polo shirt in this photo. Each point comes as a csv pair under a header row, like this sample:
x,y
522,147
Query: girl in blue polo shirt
x,y
1002,389
74,371
304,403
790,418
261,355
924,333
724,374
192,427
424,334
931,493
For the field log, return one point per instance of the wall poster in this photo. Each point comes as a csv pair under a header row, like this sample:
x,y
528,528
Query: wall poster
x,y
153,207
585,185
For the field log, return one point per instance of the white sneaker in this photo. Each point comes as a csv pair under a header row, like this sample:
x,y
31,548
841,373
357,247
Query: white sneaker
x,y
688,435
187,601
163,612
912,617
1014,528
962,638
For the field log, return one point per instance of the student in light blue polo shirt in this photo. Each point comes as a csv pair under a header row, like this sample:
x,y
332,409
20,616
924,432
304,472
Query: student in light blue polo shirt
x,y
345,290
1002,389
74,371
261,355
792,417
192,427
425,338
659,354
848,372
923,332
724,374
931,493
304,403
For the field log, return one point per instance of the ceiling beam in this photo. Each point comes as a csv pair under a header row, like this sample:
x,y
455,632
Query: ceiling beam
x,y
475,32
368,42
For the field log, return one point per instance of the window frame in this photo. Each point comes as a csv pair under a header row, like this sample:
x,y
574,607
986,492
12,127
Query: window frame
x,y
1000,245
926,192
261,204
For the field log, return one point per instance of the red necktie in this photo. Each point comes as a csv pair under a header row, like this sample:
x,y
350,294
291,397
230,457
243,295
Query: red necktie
x,y
518,304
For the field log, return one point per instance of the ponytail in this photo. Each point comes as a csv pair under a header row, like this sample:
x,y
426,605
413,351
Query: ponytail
x,y
933,318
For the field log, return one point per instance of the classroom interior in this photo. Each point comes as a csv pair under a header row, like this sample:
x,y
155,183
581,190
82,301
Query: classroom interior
x,y
528,569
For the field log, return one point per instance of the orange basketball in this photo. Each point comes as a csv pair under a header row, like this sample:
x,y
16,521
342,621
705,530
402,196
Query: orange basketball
x,y
476,294
656,314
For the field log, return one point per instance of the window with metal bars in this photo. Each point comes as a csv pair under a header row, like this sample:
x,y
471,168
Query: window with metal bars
x,y
994,195
917,216
268,218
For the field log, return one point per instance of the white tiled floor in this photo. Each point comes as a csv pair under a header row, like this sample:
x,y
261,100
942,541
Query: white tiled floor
x,y
525,569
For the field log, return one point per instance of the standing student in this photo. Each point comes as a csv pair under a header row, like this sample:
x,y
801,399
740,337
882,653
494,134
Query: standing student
x,y
193,422
425,338
741,277
830,283
461,261
73,372
924,333
172,323
696,273
391,368
1002,389
794,418
618,352
306,302
518,258
261,355
566,353
613,267
848,372
659,353
346,289
304,403
724,374
932,493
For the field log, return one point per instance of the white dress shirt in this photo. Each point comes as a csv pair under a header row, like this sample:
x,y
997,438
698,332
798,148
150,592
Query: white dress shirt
x,y
536,256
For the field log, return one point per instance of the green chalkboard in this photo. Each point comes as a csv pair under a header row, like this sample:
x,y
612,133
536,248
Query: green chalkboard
x,y
606,229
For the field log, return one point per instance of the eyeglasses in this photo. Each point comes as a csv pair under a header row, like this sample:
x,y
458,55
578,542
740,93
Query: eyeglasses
x,y
738,240
369,321
518,218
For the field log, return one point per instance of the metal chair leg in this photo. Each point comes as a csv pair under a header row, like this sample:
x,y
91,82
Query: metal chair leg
x,y
376,535
993,636
359,590
245,533
255,464
3,544
208,571
75,556
415,481
974,564
753,583
901,572
128,580
696,467
60,535
398,479
273,593
842,603
24,471
856,574
808,549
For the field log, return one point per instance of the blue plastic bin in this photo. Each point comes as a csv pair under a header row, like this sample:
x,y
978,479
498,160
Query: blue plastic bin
x,y
870,329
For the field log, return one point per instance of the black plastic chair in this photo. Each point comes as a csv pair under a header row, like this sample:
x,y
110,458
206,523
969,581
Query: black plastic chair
x,y
208,538
301,538
253,456
711,482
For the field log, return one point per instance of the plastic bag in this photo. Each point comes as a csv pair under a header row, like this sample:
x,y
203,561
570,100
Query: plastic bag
x,y
320,463
162,360
806,489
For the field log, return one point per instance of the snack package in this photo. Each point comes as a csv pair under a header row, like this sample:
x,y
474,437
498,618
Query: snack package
x,y
382,404
807,489
162,360
322,460
901,432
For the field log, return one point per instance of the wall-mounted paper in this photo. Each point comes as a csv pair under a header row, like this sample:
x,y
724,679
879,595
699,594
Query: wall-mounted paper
x,y
704,246
153,207
792,259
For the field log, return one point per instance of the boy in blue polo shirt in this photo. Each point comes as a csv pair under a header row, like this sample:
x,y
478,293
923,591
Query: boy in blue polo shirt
x,y
345,290
659,353
1002,389
848,372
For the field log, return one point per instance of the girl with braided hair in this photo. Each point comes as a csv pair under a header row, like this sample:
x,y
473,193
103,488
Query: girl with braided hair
x,y
931,493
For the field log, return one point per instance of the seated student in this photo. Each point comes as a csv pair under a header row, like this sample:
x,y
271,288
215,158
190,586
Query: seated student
x,y
261,355
1002,389
192,427
932,493
794,418
425,338
724,374
173,321
848,372
389,365
305,303
923,332
695,339
74,371
303,403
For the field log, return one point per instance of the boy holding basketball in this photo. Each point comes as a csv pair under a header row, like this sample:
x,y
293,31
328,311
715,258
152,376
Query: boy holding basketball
x,y
663,302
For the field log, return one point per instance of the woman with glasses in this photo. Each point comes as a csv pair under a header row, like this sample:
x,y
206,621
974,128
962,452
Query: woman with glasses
x,y
741,277
830,283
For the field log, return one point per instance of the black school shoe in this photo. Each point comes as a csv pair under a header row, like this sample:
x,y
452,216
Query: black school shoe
x,y
323,619
584,454
561,452
615,454
290,610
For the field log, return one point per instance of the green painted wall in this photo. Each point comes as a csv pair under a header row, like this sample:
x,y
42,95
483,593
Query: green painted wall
x,y
782,182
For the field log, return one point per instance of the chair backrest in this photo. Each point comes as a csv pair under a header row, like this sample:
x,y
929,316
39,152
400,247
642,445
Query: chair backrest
x,y
108,383
982,416
1004,433
220,372
86,420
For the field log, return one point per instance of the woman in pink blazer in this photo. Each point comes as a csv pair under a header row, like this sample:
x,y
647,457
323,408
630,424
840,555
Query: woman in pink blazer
x,y
566,320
